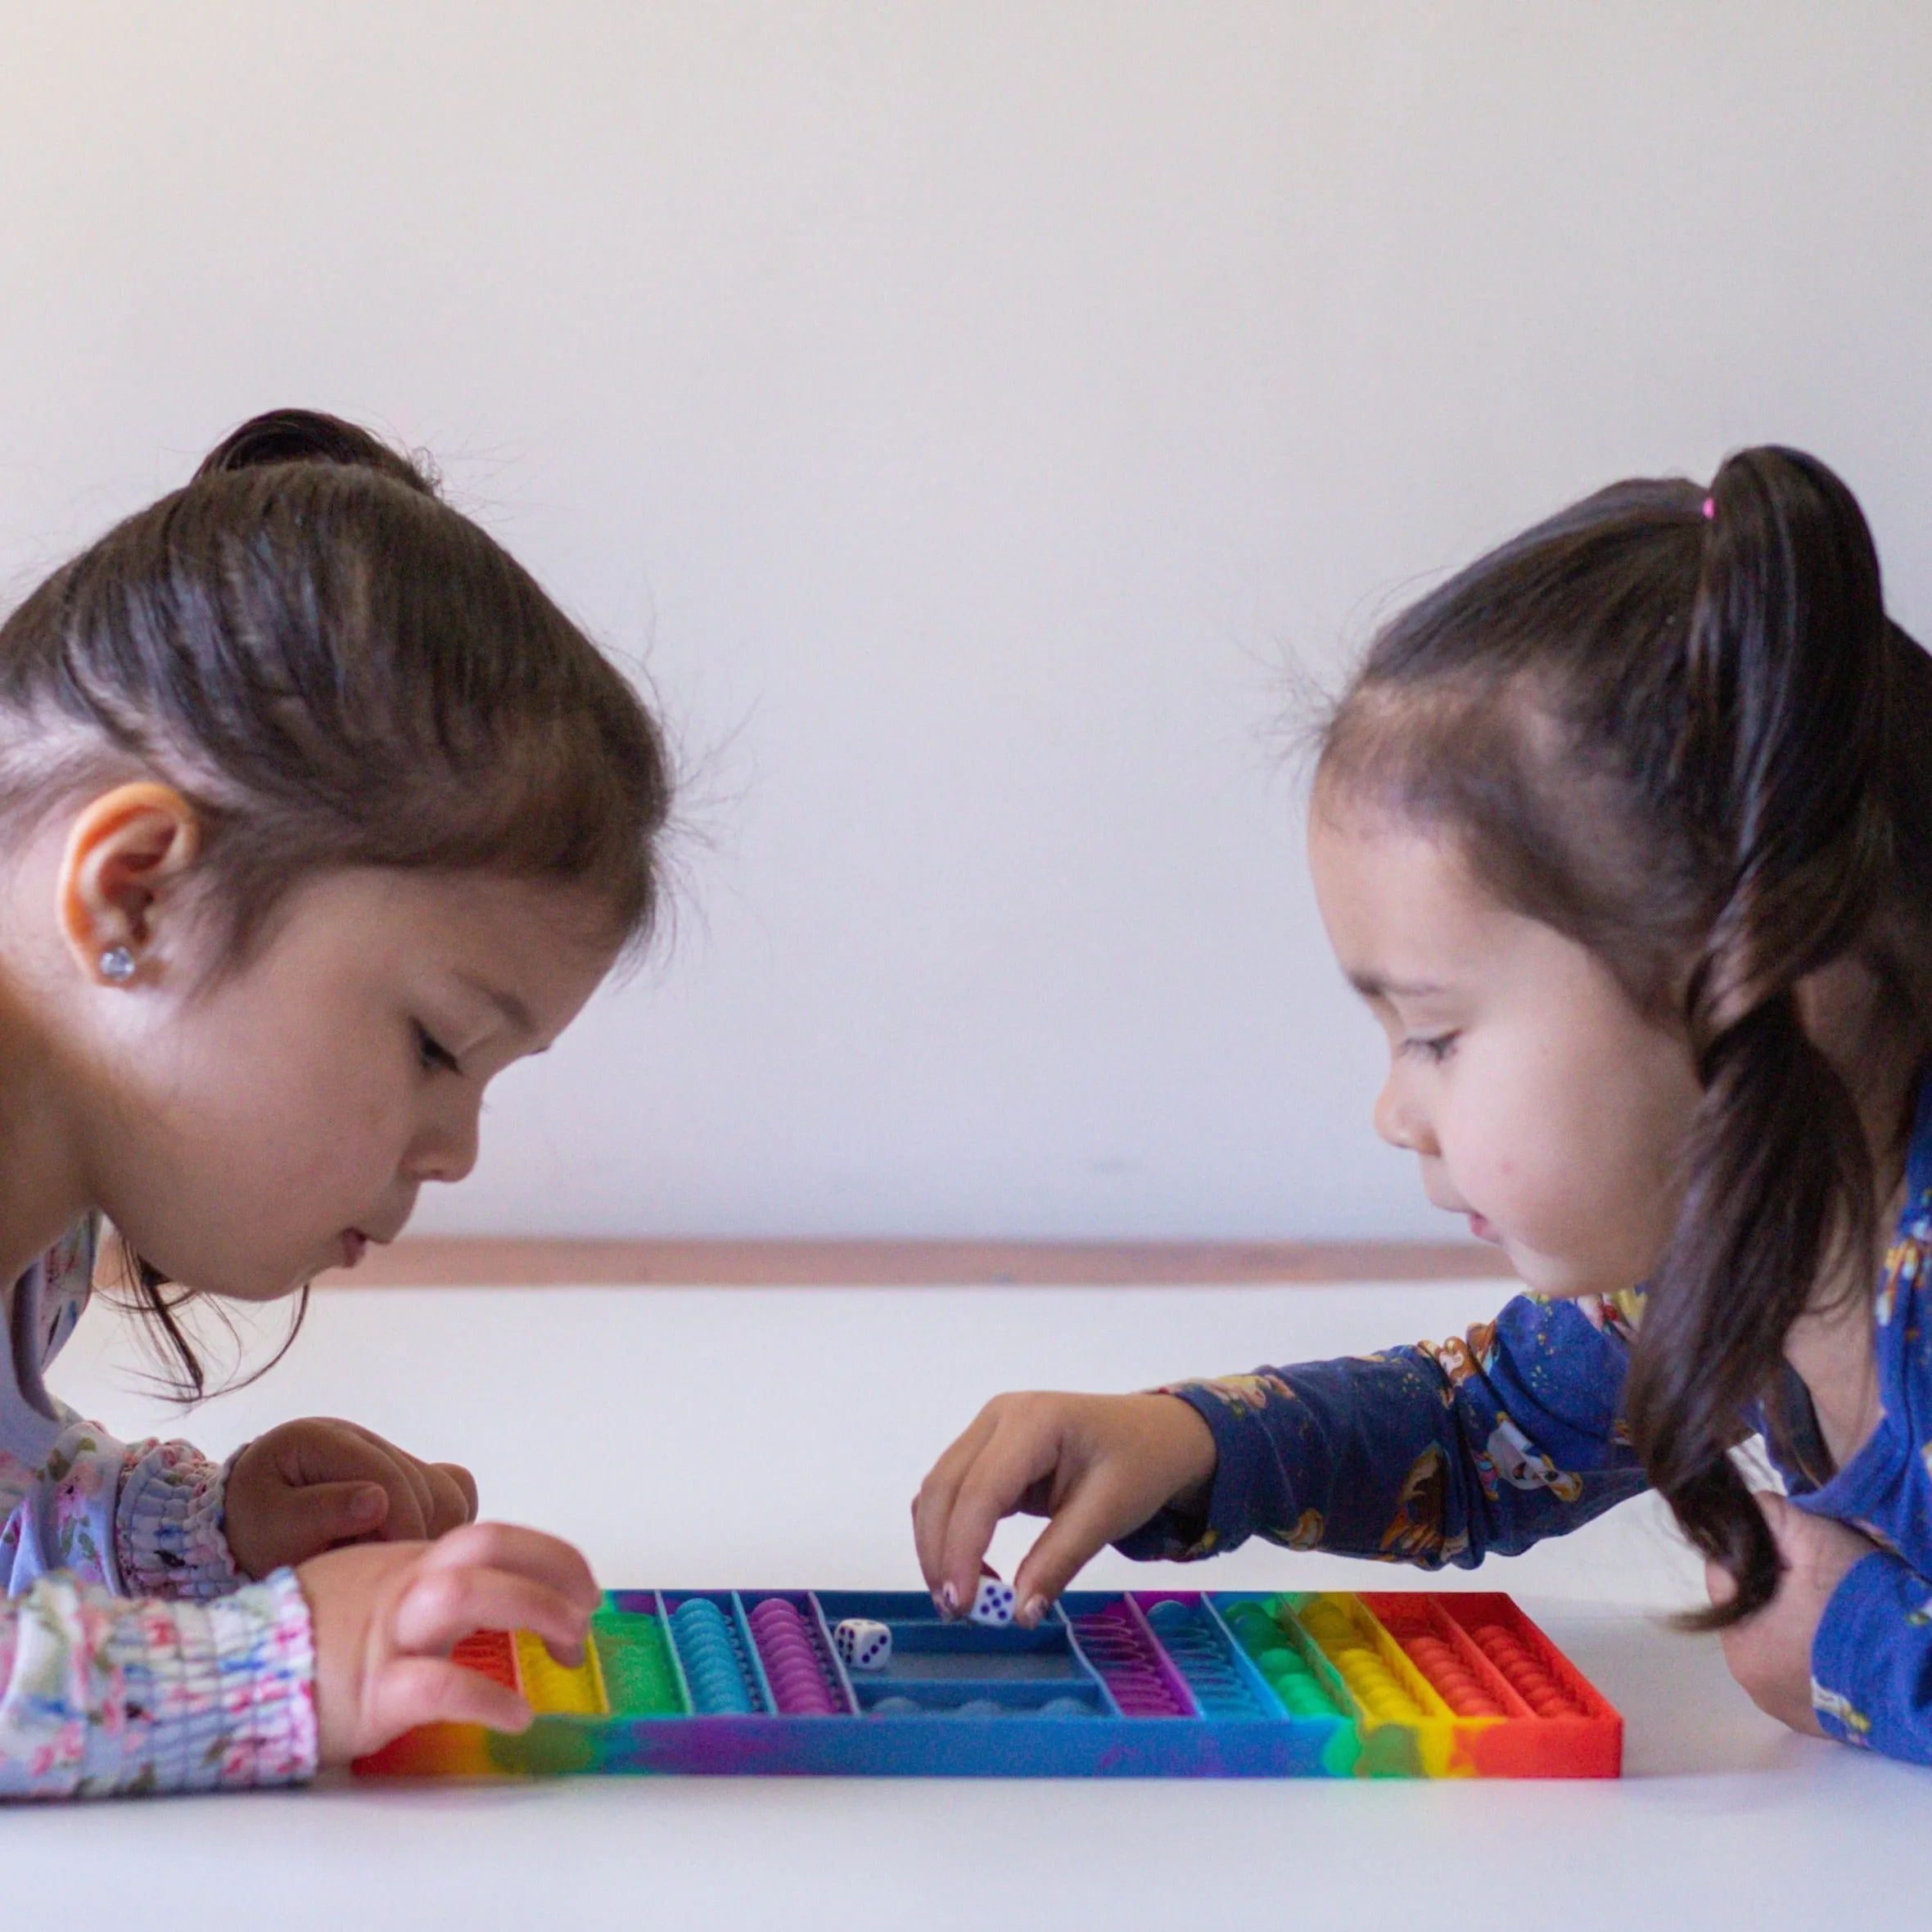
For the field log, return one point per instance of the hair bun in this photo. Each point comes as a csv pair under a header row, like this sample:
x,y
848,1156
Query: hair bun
x,y
308,435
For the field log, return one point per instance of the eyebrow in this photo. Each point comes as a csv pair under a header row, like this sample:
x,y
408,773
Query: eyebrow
x,y
1374,986
506,1004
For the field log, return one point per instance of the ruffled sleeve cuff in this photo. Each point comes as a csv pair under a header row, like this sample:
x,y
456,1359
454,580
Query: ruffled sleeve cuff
x,y
1871,1659
168,1539
102,1696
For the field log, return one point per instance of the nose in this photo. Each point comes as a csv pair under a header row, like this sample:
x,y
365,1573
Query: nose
x,y
446,1146
1399,1121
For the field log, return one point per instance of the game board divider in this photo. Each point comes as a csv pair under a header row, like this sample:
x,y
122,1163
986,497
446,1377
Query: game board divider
x,y
746,1637
818,1638
1398,1661
1474,1608
1475,1660
1135,1632
1170,1672
1269,1708
1347,1705
1109,1704
677,1663
690,1638
828,1652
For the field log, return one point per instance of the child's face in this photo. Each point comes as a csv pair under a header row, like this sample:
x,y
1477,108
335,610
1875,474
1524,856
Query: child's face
x,y
1540,1102
251,1135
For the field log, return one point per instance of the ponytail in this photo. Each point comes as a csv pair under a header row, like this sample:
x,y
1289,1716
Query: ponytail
x,y
1781,768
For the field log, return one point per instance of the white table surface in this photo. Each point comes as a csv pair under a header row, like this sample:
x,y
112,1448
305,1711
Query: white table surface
x,y
761,1437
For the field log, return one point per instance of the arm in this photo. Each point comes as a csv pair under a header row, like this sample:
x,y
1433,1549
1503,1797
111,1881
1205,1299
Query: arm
x,y
143,1520
100,1694
1431,1455
1871,1659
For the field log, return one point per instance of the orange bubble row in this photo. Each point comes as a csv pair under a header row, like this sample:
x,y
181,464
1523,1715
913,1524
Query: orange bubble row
x,y
1455,1682
1527,1677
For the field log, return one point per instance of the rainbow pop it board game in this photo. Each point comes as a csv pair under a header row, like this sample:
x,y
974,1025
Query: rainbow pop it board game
x,y
1142,1683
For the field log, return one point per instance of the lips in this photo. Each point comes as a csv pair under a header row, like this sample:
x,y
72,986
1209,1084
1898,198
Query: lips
x,y
355,1245
1485,1231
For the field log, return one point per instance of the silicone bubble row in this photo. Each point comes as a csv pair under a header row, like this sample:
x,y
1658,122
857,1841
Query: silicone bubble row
x,y
984,1707
719,1679
799,1680
1456,1683
1528,1678
1376,1687
1290,1673
640,1681
1121,1654
1188,1637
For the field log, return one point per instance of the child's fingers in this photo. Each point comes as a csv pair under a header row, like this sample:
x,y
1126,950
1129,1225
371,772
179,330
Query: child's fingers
x,y
1088,1520
413,1690
933,1507
465,1485
529,1552
325,1514
1022,1451
442,1606
451,1505
412,1502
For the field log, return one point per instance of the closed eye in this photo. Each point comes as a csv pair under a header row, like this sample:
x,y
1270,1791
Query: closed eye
x,y
1435,1050
435,1056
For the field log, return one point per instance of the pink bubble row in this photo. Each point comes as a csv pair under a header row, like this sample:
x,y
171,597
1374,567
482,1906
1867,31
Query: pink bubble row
x,y
1117,1652
797,1678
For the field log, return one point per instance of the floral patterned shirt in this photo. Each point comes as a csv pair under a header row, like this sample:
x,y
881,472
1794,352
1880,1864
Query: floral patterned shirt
x,y
134,1656
1449,1452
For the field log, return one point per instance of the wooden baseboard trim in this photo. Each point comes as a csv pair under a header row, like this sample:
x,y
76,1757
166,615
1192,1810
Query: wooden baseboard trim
x,y
434,1261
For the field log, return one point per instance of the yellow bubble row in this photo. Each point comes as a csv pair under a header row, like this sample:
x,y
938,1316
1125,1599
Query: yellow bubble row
x,y
1376,1687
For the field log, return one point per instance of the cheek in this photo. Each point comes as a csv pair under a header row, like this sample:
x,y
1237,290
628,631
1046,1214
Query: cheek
x,y
1581,1159
298,1117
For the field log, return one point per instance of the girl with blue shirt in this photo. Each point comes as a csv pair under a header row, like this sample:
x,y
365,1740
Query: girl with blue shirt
x,y
1624,835
318,814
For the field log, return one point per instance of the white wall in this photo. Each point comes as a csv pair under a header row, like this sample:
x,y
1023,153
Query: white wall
x,y
965,407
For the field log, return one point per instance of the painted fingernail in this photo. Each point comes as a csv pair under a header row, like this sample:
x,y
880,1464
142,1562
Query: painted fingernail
x,y
949,1600
1032,1610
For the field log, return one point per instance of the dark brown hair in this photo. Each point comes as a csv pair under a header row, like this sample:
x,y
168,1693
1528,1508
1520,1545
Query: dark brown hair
x,y
1678,726
336,669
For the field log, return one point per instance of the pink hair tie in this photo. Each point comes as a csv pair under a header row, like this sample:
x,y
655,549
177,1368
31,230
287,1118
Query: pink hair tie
x,y
1710,509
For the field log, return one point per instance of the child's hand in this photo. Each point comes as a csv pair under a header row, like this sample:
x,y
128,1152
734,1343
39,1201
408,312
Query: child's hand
x,y
1770,1654
385,1615
309,1486
1098,1465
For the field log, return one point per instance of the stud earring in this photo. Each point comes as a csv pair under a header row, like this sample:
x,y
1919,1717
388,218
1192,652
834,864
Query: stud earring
x,y
117,964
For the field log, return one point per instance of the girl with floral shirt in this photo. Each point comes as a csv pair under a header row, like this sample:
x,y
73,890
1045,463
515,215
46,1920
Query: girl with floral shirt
x,y
319,813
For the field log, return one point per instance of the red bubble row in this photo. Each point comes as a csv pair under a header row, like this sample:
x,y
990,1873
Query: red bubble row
x,y
791,1661
490,1653
1454,1680
1528,1678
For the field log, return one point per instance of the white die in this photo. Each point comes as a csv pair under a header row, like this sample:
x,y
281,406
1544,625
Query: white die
x,y
992,1603
864,1644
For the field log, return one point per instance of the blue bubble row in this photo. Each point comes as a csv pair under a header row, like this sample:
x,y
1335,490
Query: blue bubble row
x,y
1202,1658
984,1707
720,1684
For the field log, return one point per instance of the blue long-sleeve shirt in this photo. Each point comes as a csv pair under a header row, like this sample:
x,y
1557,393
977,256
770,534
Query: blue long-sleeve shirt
x,y
1449,1452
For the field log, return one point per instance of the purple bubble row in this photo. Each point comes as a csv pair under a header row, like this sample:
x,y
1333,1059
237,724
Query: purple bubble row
x,y
1118,1650
799,1684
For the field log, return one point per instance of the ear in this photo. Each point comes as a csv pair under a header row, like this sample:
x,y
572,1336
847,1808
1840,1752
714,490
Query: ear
x,y
128,849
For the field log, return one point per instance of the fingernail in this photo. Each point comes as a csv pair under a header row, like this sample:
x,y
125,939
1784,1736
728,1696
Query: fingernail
x,y
1032,1610
949,1600
366,1506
